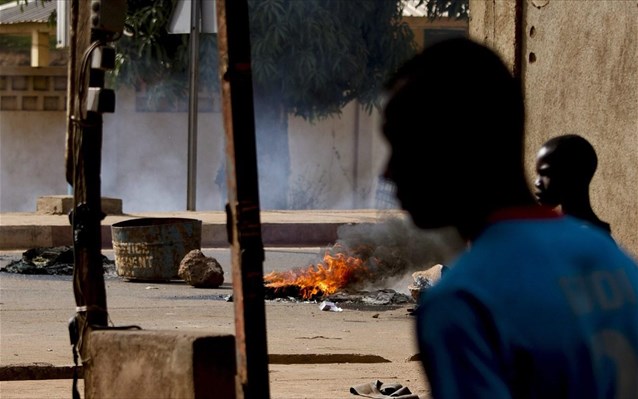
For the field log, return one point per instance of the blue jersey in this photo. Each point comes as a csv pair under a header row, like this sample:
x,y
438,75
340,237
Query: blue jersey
x,y
536,308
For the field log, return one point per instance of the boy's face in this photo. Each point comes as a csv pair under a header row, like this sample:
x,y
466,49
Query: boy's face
x,y
546,183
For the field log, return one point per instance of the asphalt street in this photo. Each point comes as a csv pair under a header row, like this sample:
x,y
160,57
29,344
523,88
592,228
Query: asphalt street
x,y
314,353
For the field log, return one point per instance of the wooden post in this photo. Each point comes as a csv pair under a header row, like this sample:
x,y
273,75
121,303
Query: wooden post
x,y
244,225
83,156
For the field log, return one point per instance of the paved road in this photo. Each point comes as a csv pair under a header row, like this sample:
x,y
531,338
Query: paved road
x,y
34,311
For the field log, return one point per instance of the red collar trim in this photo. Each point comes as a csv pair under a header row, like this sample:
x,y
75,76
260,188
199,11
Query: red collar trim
x,y
524,212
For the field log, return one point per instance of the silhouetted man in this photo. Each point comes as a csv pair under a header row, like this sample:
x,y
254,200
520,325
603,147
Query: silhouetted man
x,y
537,306
565,166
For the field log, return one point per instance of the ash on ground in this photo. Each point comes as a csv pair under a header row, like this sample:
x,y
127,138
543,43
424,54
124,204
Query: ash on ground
x,y
378,297
373,298
51,261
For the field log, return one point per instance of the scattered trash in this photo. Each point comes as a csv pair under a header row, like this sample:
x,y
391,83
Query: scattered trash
x,y
327,306
425,279
378,389
150,287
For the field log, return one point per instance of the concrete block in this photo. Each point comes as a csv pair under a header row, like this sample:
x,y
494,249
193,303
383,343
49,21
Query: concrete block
x,y
63,204
159,364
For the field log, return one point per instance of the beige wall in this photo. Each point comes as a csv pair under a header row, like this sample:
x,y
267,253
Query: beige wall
x,y
494,22
584,80
580,75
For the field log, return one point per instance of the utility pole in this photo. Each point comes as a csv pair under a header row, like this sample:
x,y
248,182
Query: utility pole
x,y
93,25
192,17
193,93
243,212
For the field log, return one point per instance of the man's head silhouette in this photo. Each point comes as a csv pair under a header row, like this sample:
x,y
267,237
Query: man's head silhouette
x,y
565,166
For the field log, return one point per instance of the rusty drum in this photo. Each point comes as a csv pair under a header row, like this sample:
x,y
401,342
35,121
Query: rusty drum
x,y
152,248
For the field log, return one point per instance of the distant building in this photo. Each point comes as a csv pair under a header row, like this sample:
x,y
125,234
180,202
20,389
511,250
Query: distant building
x,y
31,19
428,31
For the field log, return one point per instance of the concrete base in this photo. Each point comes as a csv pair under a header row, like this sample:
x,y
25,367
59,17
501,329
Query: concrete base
x,y
159,364
63,204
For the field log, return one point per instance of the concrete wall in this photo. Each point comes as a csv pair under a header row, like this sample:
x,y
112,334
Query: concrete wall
x,y
32,135
494,22
144,154
31,158
581,76
336,162
578,65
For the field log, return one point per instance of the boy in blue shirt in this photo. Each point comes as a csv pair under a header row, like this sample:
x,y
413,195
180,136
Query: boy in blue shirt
x,y
537,306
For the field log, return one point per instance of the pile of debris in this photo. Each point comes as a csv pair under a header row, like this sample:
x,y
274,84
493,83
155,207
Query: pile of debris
x,y
379,297
385,296
425,279
51,261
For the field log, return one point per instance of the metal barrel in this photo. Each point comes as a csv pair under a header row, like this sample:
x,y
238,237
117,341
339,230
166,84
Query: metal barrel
x,y
153,248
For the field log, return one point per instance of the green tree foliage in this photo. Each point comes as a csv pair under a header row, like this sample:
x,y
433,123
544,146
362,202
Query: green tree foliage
x,y
149,57
309,58
316,56
146,54
459,9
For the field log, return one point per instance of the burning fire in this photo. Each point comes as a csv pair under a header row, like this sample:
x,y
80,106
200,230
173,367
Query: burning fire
x,y
331,274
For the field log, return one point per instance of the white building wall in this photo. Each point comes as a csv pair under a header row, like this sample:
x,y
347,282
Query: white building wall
x,y
144,156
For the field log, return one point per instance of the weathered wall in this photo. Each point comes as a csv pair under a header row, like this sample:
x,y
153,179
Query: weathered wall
x,y
494,22
578,64
581,76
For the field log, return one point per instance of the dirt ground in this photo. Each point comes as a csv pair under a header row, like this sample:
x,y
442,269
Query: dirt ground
x,y
34,311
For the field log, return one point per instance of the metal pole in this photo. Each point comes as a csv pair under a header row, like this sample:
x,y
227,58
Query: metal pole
x,y
355,159
191,195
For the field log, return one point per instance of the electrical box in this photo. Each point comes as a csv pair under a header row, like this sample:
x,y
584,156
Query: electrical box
x,y
103,57
100,100
108,15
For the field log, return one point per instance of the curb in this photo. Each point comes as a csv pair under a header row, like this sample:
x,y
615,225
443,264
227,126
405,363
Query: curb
x,y
47,371
21,231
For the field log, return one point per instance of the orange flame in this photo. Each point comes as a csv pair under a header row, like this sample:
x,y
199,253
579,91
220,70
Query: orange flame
x,y
334,272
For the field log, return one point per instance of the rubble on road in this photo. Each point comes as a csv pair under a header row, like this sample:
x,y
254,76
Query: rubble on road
x,y
50,261
425,279
201,271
